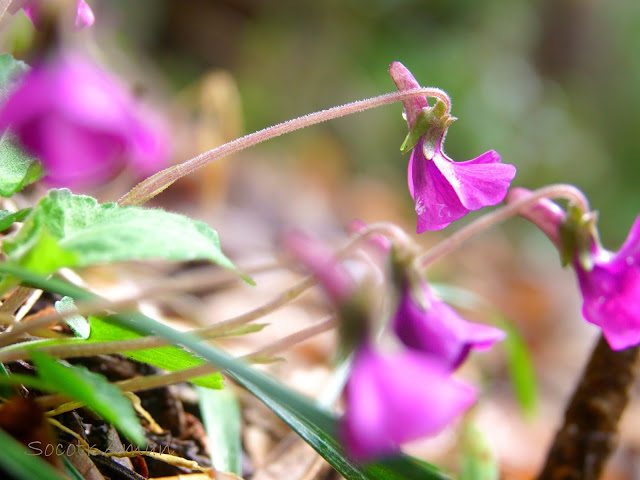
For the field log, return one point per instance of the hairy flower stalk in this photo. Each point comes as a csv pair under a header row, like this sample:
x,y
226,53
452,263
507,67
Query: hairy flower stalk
x,y
443,190
452,242
152,186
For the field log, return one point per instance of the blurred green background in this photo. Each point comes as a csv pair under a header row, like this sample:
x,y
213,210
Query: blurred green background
x,y
551,85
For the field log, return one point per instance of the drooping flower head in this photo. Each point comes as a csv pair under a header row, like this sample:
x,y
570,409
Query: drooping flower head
x,y
84,16
609,282
396,398
424,322
443,190
391,398
82,123
352,297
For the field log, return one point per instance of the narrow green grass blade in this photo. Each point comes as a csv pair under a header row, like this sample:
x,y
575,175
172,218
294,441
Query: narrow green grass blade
x,y
20,462
477,460
522,373
220,411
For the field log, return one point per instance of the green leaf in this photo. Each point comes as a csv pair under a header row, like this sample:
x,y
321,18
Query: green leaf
x,y
222,420
71,470
22,463
167,358
17,167
47,255
77,323
10,71
102,233
316,426
522,373
477,460
5,391
94,391
8,218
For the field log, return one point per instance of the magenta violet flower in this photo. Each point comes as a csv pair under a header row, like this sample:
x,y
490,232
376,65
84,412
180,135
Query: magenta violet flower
x,y
321,262
396,398
609,282
84,16
430,325
82,123
390,398
444,190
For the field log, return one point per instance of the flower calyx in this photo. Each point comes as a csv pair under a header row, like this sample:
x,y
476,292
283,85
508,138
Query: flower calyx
x,y
431,126
579,238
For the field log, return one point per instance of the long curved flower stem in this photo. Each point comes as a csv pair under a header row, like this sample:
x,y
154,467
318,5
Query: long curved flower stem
x,y
161,380
590,431
499,215
291,340
155,184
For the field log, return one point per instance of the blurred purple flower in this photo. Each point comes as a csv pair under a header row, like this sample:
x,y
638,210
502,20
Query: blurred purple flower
x,y
82,123
609,282
381,243
436,328
321,262
392,399
84,16
443,190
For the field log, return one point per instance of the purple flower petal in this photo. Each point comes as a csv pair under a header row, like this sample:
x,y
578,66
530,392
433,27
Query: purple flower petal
x,y
321,261
84,15
82,123
437,202
479,182
443,190
392,399
629,253
611,291
439,330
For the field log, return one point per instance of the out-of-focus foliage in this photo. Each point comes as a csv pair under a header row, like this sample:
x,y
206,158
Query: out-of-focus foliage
x,y
551,85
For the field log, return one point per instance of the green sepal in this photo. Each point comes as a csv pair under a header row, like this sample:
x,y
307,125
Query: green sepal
x,y
578,234
420,127
432,124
